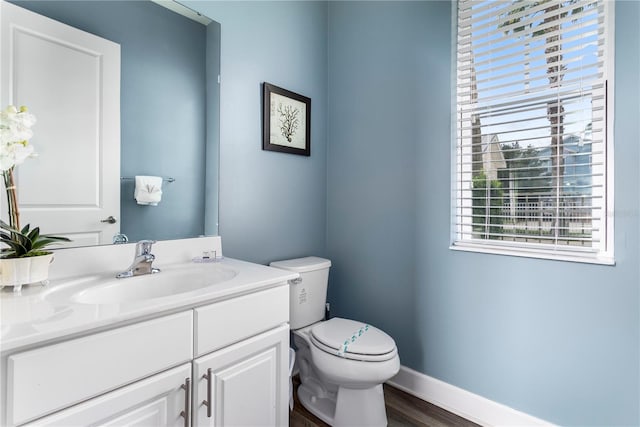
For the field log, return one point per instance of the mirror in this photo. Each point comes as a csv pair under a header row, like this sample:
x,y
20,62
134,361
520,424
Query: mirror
x,y
169,110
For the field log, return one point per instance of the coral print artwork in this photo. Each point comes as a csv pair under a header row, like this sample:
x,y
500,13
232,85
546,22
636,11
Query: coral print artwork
x,y
287,121
286,117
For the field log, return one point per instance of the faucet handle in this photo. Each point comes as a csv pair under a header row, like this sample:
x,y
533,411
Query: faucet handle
x,y
143,247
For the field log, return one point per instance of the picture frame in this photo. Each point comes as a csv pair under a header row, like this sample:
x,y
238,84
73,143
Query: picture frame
x,y
286,122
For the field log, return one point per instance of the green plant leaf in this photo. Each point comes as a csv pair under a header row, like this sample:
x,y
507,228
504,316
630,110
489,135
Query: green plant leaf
x,y
34,234
7,227
25,229
43,243
57,238
17,248
23,240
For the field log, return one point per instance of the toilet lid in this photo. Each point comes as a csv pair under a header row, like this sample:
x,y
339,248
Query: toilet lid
x,y
302,265
353,340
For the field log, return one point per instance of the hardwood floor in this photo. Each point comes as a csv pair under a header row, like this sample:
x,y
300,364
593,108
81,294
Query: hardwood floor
x,y
403,410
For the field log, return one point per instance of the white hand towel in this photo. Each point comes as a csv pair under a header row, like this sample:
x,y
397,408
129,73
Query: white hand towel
x,y
148,190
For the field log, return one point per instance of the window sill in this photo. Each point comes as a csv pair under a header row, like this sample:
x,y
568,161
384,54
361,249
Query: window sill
x,y
586,257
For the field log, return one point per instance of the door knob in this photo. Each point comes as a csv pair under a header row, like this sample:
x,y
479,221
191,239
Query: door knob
x,y
110,220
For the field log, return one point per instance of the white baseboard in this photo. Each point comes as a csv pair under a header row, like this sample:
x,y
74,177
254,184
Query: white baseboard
x,y
461,402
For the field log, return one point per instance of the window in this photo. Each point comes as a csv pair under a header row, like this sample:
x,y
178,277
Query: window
x,y
533,169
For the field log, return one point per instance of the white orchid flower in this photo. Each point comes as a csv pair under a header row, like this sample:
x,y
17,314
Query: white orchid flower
x,y
14,154
15,132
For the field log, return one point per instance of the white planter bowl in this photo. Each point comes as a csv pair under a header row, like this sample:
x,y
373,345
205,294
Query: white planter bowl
x,y
23,271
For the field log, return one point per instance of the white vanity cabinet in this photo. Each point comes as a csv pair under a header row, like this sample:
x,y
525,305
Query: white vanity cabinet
x,y
161,372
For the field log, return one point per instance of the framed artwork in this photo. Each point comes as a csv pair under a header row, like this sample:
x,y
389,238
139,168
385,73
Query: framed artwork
x,y
286,121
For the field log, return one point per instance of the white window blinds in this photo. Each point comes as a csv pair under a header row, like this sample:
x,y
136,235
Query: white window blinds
x,y
531,138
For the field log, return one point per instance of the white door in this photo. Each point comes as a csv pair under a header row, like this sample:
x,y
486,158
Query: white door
x,y
70,80
157,401
248,385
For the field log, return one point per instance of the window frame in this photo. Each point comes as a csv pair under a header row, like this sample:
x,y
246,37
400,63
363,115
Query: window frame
x,y
604,254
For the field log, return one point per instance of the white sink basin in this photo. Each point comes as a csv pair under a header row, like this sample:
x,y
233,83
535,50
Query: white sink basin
x,y
170,281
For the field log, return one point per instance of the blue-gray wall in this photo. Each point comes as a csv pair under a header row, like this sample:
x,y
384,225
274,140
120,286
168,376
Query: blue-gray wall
x,y
272,205
384,64
557,340
163,108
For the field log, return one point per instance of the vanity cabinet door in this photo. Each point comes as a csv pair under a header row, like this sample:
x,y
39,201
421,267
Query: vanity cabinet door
x,y
154,402
245,384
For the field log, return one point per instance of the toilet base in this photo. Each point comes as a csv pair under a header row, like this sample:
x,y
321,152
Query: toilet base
x,y
350,408
322,406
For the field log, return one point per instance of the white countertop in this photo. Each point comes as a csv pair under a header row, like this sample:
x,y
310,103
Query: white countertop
x,y
32,317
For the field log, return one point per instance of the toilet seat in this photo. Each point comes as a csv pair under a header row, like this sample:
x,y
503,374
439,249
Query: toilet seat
x,y
353,340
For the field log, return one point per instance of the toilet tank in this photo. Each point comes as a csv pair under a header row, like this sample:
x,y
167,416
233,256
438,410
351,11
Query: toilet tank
x,y
308,294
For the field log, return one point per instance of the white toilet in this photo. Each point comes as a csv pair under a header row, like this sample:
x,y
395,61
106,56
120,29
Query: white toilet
x,y
342,362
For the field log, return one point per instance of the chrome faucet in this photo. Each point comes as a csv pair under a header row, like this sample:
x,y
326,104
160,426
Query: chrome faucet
x,y
142,262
